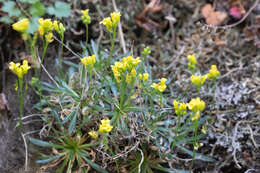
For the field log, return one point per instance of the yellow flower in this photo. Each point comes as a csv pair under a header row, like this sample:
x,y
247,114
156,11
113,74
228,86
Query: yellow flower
x,y
160,86
196,105
22,25
133,72
105,126
115,16
89,61
145,76
136,61
195,116
198,81
213,73
155,86
25,67
19,70
140,76
85,17
146,51
93,134
41,30
108,23
45,26
180,108
56,25
48,37
85,12
204,129
128,79
126,64
192,59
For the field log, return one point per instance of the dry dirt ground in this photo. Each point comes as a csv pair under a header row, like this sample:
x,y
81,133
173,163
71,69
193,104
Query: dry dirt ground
x,y
234,128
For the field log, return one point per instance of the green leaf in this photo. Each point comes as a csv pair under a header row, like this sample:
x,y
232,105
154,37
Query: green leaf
x,y
30,1
95,166
57,117
49,159
40,142
198,155
160,168
10,8
60,9
68,117
37,9
33,25
6,20
73,123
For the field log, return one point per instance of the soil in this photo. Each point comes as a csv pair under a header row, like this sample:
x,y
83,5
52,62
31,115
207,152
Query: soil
x,y
233,138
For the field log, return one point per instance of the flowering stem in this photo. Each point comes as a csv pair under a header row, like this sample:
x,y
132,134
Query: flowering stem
x,y
160,99
60,54
91,76
194,136
21,100
179,122
122,95
86,36
112,40
45,46
198,91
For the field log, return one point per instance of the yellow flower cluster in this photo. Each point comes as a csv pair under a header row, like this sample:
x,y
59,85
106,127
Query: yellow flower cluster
x,y
192,59
93,134
45,26
213,73
146,51
111,22
58,27
22,25
48,37
198,81
89,61
180,108
161,86
192,62
105,126
18,69
196,105
85,17
143,77
126,64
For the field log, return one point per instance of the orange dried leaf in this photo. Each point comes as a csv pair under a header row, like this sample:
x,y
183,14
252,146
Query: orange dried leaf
x,y
213,17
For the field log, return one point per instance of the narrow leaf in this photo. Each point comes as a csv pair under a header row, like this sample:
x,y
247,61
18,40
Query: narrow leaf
x,y
73,123
49,159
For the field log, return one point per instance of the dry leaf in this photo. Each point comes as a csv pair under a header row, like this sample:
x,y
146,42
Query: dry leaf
x,y
144,21
213,17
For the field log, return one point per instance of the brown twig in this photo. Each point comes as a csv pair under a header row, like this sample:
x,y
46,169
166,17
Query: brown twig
x,y
120,31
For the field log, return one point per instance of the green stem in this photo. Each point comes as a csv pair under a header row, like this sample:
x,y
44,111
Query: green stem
x,y
178,123
198,91
160,99
86,36
45,46
21,100
60,55
91,76
112,40
194,136
122,95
